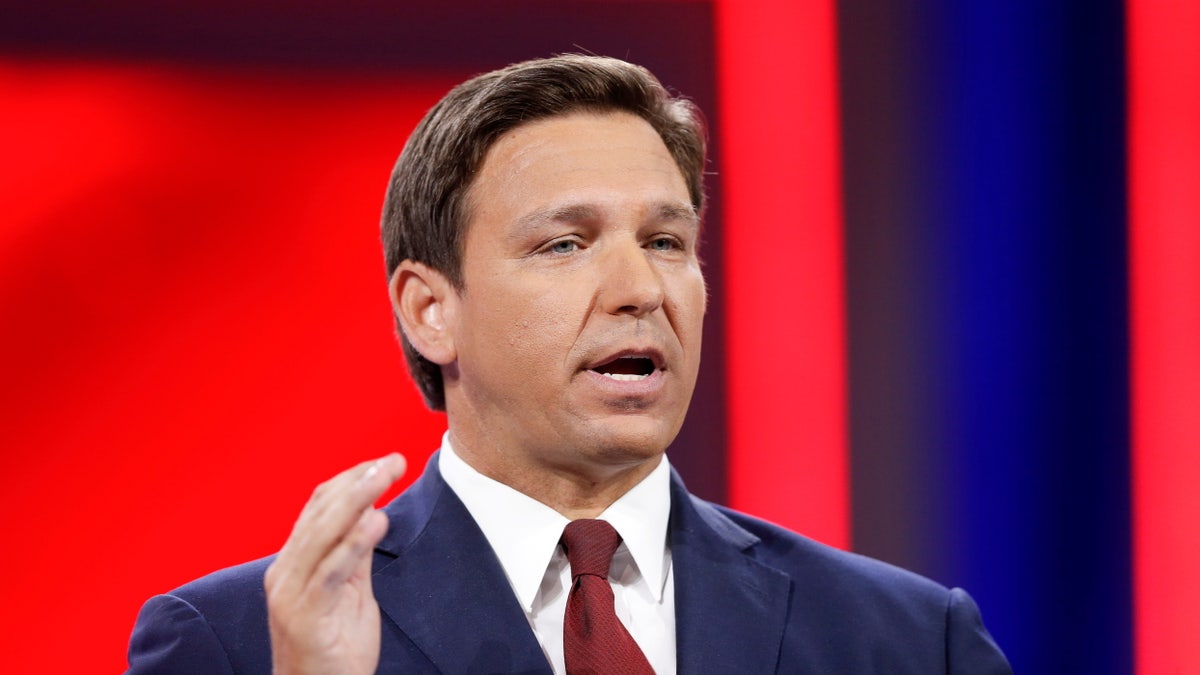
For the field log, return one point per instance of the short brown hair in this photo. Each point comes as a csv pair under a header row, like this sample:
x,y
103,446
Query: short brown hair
x,y
425,211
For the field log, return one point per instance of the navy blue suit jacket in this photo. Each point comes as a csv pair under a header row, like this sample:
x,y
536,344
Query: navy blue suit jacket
x,y
750,597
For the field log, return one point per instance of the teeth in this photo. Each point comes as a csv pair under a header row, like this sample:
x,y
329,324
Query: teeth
x,y
623,377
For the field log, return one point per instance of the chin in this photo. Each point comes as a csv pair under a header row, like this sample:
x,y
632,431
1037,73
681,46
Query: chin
x,y
632,440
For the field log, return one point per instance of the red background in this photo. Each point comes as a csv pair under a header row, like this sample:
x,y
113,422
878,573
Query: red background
x,y
180,327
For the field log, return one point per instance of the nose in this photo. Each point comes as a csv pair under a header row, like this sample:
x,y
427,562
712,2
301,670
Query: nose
x,y
631,284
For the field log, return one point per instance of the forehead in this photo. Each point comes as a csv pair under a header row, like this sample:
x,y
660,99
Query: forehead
x,y
581,160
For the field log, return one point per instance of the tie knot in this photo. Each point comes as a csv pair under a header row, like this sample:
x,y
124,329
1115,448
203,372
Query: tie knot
x,y
590,545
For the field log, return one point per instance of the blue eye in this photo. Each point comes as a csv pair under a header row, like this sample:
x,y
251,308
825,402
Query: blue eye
x,y
564,246
663,244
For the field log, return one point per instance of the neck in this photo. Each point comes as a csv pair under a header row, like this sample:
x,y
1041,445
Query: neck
x,y
577,486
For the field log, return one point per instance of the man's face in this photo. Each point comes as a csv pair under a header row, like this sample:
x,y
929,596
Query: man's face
x,y
578,330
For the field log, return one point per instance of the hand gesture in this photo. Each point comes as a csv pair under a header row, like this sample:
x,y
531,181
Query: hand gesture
x,y
322,613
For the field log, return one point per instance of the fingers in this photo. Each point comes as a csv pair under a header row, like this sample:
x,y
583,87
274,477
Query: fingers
x,y
351,557
335,522
336,504
321,613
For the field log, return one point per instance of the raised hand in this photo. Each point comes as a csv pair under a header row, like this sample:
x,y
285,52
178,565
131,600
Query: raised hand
x,y
322,614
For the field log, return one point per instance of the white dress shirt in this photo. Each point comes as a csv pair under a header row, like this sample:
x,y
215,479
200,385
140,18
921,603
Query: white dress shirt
x,y
525,533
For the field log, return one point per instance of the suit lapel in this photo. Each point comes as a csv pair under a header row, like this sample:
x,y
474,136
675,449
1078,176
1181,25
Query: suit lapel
x,y
730,610
445,588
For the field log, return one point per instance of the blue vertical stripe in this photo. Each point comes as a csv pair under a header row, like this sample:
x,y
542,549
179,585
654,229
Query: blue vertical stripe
x,y
1015,252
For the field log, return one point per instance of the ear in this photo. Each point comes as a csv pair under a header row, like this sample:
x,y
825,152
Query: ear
x,y
424,301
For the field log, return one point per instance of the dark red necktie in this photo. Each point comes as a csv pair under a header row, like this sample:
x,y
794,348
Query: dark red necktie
x,y
594,640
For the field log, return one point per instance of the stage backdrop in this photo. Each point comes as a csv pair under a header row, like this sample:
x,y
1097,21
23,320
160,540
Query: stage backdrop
x,y
952,251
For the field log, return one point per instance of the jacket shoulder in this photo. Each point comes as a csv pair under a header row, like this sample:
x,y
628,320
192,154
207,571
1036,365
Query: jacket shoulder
x,y
796,554
217,623
851,613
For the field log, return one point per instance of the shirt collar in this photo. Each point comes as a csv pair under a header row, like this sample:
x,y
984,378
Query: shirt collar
x,y
524,532
640,516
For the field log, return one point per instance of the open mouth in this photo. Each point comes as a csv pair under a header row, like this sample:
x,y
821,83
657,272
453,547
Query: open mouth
x,y
627,368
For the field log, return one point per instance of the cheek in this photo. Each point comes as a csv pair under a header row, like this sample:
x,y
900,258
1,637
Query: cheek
x,y
690,303
536,327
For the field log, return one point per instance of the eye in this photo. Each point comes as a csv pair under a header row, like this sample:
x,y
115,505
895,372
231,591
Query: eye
x,y
664,244
564,246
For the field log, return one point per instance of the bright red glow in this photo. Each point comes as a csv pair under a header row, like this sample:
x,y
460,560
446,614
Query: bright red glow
x,y
196,328
780,171
1164,171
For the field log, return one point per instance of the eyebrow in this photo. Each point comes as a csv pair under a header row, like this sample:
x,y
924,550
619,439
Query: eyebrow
x,y
575,213
671,211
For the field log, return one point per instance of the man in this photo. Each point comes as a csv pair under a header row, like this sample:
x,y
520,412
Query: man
x,y
541,234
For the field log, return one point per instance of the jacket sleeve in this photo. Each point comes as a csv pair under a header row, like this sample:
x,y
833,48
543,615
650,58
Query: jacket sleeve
x,y
970,649
171,636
